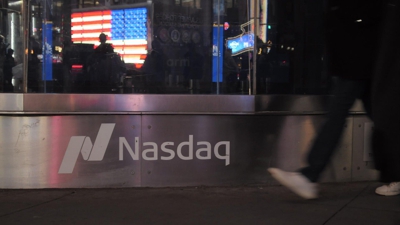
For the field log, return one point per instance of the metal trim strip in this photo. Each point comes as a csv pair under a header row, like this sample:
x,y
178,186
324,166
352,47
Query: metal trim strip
x,y
147,104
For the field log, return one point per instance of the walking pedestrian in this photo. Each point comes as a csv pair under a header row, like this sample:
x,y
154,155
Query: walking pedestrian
x,y
385,103
351,27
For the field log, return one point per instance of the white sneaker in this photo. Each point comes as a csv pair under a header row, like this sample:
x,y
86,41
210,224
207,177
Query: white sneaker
x,y
389,190
296,182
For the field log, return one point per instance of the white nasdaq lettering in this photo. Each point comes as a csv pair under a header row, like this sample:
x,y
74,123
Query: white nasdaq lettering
x,y
204,151
153,150
167,150
122,143
190,151
227,151
207,150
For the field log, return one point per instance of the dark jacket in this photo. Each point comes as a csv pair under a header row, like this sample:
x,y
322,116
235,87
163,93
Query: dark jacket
x,y
352,30
154,66
9,63
104,48
386,97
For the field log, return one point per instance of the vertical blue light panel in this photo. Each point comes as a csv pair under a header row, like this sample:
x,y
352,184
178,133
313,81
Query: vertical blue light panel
x,y
218,60
47,64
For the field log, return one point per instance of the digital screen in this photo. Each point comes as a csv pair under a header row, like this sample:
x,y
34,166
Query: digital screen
x,y
126,30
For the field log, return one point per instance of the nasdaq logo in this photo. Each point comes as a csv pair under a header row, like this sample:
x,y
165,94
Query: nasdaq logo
x,y
186,150
89,151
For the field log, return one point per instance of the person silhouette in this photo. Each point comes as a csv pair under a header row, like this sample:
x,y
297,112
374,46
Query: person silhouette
x,y
3,49
104,47
9,63
154,68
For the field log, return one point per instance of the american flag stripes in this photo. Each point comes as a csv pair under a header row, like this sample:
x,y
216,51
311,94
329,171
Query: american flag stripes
x,y
126,30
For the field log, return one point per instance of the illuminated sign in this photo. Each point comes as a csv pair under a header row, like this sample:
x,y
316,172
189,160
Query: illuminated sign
x,y
241,43
125,29
47,60
217,62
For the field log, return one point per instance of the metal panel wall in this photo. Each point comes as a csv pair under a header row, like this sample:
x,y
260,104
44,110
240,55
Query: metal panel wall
x,y
33,148
340,167
158,150
75,141
11,102
362,167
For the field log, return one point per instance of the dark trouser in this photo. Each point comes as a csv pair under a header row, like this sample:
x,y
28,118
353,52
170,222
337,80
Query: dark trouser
x,y
345,94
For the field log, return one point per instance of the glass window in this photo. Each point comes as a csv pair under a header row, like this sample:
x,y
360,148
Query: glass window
x,y
291,60
11,47
165,47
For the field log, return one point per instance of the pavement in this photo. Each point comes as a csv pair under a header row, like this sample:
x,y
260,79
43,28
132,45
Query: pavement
x,y
339,204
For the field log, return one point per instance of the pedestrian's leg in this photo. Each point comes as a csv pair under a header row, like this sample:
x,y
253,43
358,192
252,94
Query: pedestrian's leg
x,y
345,94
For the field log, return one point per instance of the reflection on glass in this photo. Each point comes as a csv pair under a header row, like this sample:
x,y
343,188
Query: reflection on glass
x,y
166,47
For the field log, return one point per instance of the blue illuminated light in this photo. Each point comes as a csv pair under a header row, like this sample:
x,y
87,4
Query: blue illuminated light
x,y
243,42
129,24
217,63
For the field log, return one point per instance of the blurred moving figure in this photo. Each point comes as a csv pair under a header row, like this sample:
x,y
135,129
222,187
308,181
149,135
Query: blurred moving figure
x,y
3,49
231,71
154,68
351,27
385,103
193,69
9,63
34,65
67,65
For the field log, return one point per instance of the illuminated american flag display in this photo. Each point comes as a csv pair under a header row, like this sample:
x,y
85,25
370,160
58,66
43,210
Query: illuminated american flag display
x,y
126,30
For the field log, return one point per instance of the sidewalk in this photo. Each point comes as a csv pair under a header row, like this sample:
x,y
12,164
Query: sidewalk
x,y
339,204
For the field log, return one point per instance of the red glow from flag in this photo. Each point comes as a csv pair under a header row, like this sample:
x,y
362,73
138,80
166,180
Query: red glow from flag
x,y
87,26
77,66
